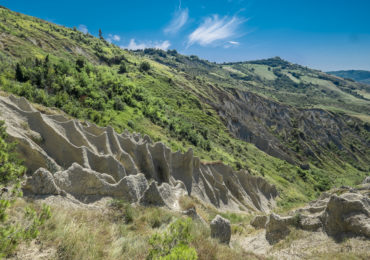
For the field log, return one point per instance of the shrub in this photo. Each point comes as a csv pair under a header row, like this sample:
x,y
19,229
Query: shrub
x,y
118,104
131,124
174,242
10,169
124,208
80,63
19,73
122,67
145,66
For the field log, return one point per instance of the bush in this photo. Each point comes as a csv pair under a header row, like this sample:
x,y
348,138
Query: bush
x,y
174,242
131,124
122,67
145,66
124,208
10,168
118,104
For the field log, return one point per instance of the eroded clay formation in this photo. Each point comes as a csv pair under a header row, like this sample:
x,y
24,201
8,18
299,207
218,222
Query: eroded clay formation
x,y
340,216
66,156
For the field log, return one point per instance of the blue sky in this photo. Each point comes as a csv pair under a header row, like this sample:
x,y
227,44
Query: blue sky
x,y
326,34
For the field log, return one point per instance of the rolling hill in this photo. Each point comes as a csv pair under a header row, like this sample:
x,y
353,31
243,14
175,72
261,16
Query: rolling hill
x,y
362,76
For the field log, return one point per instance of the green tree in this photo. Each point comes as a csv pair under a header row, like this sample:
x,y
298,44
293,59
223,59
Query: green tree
x,y
80,63
122,67
19,74
101,34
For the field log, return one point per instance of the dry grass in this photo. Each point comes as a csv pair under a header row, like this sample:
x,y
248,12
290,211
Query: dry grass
x,y
204,210
294,235
4,94
121,231
79,234
208,248
108,233
103,234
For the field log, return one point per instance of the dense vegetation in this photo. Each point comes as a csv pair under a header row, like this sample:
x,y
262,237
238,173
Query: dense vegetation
x,y
172,97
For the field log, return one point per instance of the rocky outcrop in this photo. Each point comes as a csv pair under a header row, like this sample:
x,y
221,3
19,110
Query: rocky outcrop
x,y
83,159
347,214
221,229
339,216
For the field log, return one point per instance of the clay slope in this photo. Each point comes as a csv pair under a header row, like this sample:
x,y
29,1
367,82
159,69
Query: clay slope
x,y
66,156
292,134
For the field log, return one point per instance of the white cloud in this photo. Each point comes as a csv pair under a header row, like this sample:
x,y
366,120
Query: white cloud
x,y
234,43
115,38
83,28
179,19
214,29
134,46
163,45
231,44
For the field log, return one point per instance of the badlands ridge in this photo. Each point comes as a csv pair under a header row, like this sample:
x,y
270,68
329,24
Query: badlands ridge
x,y
80,159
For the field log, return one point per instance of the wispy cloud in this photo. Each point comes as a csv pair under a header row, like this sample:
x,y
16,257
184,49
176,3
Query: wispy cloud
x,y
179,19
231,44
214,29
163,45
115,38
234,43
83,28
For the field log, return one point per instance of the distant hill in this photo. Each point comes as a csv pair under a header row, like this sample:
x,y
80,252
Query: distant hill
x,y
362,76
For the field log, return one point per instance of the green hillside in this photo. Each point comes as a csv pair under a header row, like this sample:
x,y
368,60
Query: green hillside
x,y
302,129
362,76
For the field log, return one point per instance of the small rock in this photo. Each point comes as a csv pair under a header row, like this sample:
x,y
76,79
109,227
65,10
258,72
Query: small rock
x,y
259,221
192,212
221,229
277,228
